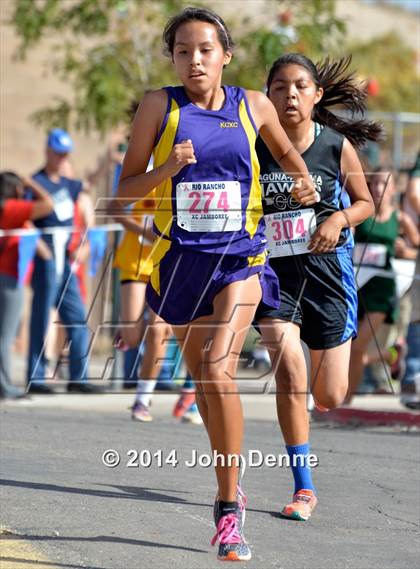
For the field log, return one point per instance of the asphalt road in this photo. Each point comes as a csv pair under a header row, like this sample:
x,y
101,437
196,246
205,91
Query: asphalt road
x,y
74,512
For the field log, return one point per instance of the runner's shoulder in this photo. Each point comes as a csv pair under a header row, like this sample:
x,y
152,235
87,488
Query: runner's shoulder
x,y
257,99
154,101
152,109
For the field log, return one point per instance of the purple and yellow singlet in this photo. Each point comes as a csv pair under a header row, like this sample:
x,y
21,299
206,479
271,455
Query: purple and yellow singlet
x,y
213,205
209,217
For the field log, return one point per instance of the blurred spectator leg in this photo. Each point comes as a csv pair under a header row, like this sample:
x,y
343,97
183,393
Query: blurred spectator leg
x,y
410,384
368,327
380,370
11,303
72,313
168,365
44,284
132,360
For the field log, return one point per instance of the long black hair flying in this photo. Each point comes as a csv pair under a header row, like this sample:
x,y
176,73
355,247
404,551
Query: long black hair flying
x,y
340,88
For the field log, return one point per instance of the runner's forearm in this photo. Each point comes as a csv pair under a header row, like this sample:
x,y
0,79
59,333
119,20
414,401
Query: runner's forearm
x,y
353,215
132,188
293,164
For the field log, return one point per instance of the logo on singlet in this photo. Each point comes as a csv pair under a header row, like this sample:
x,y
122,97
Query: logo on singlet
x,y
228,124
277,187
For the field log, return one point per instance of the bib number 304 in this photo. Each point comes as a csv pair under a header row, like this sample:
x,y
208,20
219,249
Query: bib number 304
x,y
209,206
289,232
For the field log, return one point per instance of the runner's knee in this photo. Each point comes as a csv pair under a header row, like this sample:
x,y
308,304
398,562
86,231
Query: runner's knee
x,y
290,373
330,397
215,381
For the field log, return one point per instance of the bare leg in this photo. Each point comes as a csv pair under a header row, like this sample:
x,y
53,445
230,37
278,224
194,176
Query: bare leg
x,y
156,337
367,328
132,308
211,348
282,339
330,374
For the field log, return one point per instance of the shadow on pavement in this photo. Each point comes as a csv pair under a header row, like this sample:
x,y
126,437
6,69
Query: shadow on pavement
x,y
110,539
20,561
125,492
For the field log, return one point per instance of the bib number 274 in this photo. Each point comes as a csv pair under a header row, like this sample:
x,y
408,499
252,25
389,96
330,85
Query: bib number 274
x,y
209,206
201,202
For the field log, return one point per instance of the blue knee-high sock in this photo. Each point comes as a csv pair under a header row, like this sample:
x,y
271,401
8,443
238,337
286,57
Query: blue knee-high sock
x,y
301,471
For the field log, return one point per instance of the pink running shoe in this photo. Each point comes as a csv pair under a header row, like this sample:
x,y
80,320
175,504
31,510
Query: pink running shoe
x,y
232,544
304,502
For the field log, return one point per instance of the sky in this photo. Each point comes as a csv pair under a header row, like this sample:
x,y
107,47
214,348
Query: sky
x,y
413,5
